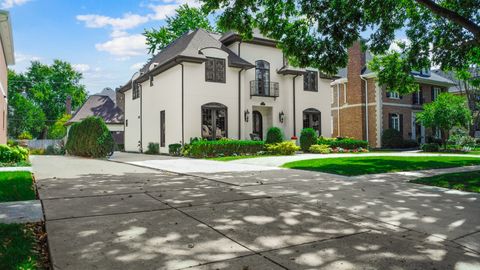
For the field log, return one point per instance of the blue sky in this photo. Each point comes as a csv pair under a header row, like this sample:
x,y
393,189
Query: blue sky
x,y
101,38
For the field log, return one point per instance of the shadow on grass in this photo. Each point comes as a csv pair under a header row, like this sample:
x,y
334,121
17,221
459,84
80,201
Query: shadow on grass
x,y
373,165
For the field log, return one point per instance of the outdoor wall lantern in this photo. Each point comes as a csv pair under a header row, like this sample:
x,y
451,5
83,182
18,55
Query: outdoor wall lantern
x,y
281,116
246,113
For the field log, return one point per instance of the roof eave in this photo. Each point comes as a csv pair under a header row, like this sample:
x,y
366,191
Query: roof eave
x,y
7,37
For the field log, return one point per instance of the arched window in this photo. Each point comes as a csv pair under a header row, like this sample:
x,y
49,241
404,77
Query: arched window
x,y
395,121
312,118
262,77
214,121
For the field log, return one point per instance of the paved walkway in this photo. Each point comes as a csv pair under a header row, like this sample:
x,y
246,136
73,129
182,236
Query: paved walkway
x,y
108,215
21,212
15,169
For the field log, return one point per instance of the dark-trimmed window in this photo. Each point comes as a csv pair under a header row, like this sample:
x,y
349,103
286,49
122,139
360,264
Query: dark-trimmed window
x,y
312,118
310,81
162,128
215,70
395,121
136,90
214,121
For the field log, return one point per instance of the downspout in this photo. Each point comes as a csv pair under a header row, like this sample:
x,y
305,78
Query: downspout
x,y
338,111
141,120
240,104
366,106
294,108
183,107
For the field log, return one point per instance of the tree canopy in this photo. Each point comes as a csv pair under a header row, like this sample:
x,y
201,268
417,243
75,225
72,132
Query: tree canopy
x,y
39,94
440,32
186,19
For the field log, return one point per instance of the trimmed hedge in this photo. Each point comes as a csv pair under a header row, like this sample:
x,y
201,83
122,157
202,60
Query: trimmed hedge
x,y
430,147
320,149
153,149
392,138
12,154
345,143
308,137
274,135
283,148
204,148
175,149
90,138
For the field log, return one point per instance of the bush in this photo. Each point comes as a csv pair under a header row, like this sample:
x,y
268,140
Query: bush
x,y
431,139
54,150
348,143
174,149
283,148
392,138
308,137
204,148
409,144
14,154
320,149
90,138
153,149
274,135
430,147
37,151
11,142
25,136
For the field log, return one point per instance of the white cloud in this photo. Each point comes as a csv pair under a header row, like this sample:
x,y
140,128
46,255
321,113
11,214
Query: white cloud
x,y
21,57
137,66
395,45
128,21
162,11
11,3
81,67
124,46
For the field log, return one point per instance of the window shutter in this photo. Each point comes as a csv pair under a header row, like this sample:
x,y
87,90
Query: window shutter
x,y
210,70
390,121
421,96
401,124
433,94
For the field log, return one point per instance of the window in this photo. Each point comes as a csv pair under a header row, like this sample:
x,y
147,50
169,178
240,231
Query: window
x,y
310,81
214,121
126,123
262,78
435,92
151,80
312,118
393,95
215,70
396,121
136,90
417,97
162,129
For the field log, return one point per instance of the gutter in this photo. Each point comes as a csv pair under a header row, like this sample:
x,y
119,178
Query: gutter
x,y
338,110
183,102
366,106
239,97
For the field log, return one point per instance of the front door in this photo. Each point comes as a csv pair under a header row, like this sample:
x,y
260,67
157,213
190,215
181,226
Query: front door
x,y
257,124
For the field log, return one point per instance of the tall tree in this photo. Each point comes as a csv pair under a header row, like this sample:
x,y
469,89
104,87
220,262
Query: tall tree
x,y
186,18
47,88
445,32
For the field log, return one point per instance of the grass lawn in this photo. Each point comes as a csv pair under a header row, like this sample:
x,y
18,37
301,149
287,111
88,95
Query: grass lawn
x,y
17,249
352,166
466,181
16,186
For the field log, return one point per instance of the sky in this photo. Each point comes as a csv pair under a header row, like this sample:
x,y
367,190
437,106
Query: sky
x,y
100,38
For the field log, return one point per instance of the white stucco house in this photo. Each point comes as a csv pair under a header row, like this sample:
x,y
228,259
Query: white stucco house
x,y
212,86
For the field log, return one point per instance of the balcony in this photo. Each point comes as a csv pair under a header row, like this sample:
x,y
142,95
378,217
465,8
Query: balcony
x,y
264,89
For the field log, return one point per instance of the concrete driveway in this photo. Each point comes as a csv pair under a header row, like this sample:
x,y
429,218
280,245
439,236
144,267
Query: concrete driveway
x,y
109,215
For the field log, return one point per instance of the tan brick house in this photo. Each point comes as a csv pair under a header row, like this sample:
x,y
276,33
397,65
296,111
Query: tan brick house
x,y
357,88
6,58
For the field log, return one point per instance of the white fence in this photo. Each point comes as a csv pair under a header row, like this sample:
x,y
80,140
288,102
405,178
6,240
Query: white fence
x,y
40,144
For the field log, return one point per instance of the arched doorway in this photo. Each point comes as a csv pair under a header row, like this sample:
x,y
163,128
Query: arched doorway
x,y
312,118
257,121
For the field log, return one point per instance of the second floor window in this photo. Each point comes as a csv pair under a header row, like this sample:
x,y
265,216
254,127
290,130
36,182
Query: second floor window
x,y
262,77
215,70
310,81
136,90
435,92
393,95
395,121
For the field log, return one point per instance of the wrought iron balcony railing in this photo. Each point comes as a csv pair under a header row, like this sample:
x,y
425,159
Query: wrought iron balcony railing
x,y
264,89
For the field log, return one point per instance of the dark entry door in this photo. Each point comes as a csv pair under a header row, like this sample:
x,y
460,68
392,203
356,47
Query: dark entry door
x,y
257,124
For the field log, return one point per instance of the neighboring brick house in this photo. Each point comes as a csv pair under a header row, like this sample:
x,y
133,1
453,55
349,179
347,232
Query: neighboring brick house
x,y
358,85
6,58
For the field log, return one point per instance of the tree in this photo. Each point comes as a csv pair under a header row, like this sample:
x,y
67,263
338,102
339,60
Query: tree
x,y
445,33
446,112
58,130
47,88
24,116
186,19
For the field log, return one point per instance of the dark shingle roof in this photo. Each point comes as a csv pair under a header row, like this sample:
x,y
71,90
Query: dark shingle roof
x,y
99,105
188,48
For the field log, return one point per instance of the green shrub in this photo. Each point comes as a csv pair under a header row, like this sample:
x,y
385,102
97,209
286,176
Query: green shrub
x,y
174,149
11,142
283,148
274,135
204,148
153,149
320,149
308,137
392,138
54,150
349,143
430,147
90,138
37,151
25,136
409,144
14,154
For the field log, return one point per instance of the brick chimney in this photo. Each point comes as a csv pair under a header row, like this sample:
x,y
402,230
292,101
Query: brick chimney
x,y
68,105
356,62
